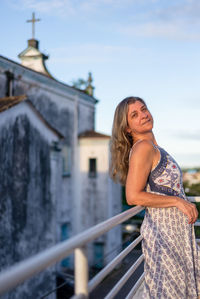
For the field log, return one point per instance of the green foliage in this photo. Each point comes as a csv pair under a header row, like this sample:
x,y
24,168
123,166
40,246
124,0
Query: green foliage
x,y
193,190
197,232
79,83
188,169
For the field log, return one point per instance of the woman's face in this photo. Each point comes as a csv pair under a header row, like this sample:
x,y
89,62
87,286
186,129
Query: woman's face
x,y
140,120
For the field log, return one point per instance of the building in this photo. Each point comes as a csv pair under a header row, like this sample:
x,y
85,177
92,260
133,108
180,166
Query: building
x,y
29,173
191,176
98,196
55,164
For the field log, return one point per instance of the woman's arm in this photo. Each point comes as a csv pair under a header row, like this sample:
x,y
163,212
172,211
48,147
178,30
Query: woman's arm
x,y
140,165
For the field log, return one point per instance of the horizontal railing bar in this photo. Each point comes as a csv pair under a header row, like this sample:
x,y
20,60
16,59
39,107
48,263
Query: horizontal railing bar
x,y
194,198
124,279
21,271
108,268
136,287
197,223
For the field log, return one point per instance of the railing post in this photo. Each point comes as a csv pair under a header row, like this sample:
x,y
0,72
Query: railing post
x,y
81,271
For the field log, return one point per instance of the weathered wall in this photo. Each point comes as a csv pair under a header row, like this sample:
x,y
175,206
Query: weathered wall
x,y
27,219
2,85
70,112
45,91
99,196
86,117
94,191
60,118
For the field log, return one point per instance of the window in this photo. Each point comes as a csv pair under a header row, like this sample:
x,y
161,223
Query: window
x,y
98,255
9,83
92,167
65,236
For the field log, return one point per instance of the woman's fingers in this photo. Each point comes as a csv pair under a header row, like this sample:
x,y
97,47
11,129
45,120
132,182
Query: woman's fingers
x,y
193,213
189,209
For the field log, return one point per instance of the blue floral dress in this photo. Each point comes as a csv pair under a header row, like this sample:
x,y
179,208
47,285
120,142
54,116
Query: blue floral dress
x,y
172,257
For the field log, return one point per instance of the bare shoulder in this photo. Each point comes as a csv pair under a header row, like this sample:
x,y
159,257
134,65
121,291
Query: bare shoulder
x,y
143,146
142,152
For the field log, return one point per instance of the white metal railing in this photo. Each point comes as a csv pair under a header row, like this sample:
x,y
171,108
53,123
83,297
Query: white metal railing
x,y
107,269
194,198
20,272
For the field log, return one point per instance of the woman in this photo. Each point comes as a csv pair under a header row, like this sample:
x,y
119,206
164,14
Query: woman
x,y
153,179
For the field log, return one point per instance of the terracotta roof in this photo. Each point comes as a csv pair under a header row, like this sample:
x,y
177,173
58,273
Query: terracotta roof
x,y
92,134
8,102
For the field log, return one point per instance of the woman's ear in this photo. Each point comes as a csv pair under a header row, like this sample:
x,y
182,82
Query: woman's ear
x,y
128,130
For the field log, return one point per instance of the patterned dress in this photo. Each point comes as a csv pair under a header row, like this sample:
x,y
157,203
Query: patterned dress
x,y
172,258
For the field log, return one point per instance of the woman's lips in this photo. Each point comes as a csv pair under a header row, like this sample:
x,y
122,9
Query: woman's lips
x,y
146,122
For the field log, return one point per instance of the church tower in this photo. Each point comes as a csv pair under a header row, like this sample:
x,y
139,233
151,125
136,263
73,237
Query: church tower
x,y
31,57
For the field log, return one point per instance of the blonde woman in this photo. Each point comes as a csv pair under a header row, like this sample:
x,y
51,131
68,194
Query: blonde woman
x,y
153,179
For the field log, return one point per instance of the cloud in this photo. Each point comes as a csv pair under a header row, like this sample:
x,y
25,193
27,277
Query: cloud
x,y
188,159
190,135
167,30
88,53
56,7
176,20
187,10
68,7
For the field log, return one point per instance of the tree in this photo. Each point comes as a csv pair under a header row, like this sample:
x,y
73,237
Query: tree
x,y
79,83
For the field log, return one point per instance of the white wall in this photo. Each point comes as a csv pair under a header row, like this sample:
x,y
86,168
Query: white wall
x,y
100,198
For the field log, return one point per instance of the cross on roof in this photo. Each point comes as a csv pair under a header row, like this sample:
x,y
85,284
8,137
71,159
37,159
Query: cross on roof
x,y
33,21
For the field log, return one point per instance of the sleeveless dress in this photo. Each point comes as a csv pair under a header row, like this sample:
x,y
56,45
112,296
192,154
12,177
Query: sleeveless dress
x,y
172,257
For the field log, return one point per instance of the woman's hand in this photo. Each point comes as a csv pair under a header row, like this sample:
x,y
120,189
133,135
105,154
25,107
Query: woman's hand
x,y
188,208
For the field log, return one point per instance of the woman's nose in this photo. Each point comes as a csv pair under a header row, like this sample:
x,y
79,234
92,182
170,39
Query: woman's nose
x,y
144,114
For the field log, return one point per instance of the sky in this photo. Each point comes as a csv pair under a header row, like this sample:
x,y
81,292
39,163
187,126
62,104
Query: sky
x,y
145,48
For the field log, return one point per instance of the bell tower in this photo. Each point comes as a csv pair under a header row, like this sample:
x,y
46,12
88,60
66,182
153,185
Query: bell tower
x,y
31,57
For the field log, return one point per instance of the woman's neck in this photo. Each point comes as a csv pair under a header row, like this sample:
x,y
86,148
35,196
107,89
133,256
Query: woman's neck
x,y
148,136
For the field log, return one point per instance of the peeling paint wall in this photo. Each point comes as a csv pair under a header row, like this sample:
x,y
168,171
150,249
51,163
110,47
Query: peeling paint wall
x,y
68,110
27,219
86,118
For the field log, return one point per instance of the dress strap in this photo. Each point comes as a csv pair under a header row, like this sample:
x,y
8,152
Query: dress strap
x,y
136,142
155,146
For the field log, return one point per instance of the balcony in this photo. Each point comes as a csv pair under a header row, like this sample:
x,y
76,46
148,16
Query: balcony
x,y
17,274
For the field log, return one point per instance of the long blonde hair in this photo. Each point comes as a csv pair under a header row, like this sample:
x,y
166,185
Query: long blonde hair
x,y
121,141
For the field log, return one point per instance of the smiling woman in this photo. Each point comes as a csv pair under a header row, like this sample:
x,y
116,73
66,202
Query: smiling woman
x,y
153,179
122,140
139,120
